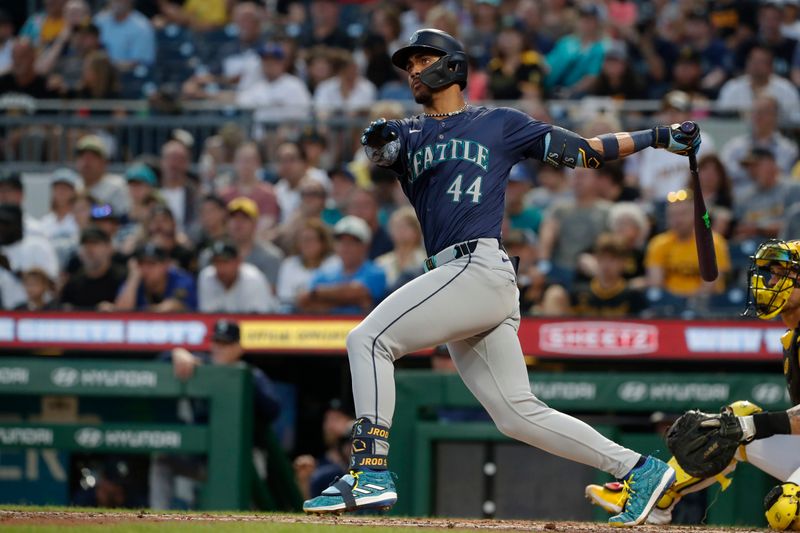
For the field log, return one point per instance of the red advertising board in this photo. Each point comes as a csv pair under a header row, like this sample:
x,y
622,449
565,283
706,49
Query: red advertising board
x,y
654,339
747,340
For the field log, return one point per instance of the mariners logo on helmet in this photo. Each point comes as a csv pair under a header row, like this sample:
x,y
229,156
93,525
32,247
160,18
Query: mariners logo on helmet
x,y
450,68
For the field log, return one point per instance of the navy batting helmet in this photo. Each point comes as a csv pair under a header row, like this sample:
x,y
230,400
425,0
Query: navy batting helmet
x,y
451,68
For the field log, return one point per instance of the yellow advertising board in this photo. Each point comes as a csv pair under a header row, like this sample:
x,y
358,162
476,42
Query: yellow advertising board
x,y
305,334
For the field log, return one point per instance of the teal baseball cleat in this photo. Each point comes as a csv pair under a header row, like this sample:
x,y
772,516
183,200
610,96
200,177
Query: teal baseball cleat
x,y
364,489
644,485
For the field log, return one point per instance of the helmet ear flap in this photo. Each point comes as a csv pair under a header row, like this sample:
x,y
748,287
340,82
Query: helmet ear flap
x,y
459,67
450,68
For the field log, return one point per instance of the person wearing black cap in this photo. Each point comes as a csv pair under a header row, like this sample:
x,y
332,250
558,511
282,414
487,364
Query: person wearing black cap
x,y
759,213
12,191
24,251
153,284
105,217
228,285
225,350
96,284
687,76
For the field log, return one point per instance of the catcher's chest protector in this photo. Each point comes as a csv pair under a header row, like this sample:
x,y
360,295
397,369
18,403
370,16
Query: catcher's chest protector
x,y
791,363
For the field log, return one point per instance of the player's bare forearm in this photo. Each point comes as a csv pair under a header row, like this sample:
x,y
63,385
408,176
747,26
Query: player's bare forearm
x,y
794,419
621,144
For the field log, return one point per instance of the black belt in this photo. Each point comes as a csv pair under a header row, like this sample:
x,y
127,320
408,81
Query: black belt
x,y
450,254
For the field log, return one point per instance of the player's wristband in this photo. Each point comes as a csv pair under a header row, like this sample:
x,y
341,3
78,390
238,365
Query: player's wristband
x,y
643,139
769,424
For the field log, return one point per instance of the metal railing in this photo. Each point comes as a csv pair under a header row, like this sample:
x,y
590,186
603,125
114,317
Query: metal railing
x,y
40,135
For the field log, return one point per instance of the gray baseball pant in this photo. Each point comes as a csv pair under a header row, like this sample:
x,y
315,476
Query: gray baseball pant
x,y
472,304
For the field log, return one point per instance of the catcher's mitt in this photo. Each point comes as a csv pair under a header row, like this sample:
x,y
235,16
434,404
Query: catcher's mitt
x,y
703,443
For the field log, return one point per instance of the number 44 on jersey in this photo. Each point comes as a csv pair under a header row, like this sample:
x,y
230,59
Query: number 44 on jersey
x,y
474,190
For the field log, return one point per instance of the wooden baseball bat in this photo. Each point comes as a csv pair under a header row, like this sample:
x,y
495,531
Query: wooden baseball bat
x,y
703,237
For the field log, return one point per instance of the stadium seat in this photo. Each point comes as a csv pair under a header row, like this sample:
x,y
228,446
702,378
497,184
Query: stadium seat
x,y
729,303
175,55
137,83
208,44
664,304
561,276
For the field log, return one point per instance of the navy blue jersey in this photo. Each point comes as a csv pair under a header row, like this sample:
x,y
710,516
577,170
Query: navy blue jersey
x,y
455,170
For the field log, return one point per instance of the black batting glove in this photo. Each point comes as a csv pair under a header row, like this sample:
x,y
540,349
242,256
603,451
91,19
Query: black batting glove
x,y
377,134
676,139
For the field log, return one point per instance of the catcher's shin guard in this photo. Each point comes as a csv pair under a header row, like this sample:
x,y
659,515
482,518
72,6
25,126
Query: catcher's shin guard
x,y
686,484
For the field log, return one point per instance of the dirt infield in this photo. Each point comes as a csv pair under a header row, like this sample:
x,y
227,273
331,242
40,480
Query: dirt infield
x,y
298,522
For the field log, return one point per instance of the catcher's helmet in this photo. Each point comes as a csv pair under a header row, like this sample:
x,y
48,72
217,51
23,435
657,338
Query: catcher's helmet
x,y
773,275
782,505
451,68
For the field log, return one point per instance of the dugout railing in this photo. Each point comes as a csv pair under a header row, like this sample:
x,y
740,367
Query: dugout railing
x,y
440,434
226,439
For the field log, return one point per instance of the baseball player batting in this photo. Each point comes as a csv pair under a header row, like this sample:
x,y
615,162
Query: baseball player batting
x,y
453,162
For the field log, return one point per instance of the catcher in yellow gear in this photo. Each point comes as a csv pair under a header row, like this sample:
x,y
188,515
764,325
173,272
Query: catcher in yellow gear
x,y
611,496
773,278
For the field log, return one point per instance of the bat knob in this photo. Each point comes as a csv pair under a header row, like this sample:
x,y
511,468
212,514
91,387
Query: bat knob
x,y
688,127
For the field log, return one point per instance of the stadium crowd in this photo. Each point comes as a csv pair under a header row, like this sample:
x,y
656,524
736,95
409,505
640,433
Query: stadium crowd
x,y
282,218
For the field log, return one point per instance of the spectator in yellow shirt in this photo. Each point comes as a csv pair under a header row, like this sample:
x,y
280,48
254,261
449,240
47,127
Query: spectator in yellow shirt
x,y
671,257
198,15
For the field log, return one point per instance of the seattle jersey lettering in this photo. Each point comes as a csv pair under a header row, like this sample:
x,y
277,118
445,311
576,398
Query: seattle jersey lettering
x,y
431,155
